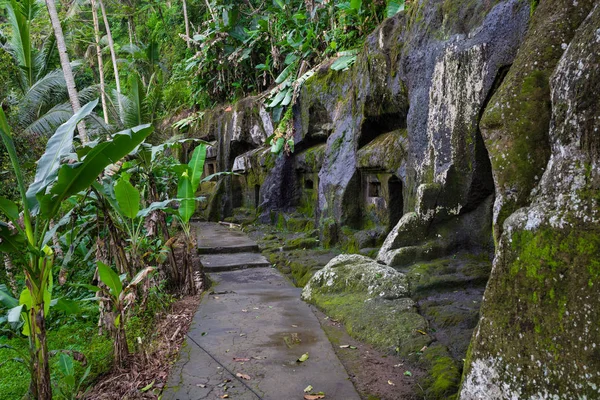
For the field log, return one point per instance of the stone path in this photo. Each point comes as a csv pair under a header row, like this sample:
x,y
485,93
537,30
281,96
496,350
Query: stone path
x,y
226,249
253,323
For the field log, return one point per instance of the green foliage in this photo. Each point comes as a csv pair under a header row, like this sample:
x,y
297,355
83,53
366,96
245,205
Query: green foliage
x,y
246,47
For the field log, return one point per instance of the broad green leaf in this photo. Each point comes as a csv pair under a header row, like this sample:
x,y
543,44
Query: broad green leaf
x,y
394,7
77,177
6,299
355,5
9,144
285,73
196,165
25,298
110,279
277,100
185,192
11,240
128,198
118,320
303,357
65,364
59,145
157,205
67,306
9,209
14,314
278,145
343,63
215,175
288,98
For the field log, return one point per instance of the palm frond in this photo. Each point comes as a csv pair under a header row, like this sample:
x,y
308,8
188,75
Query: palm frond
x,y
134,112
50,121
45,57
20,14
76,7
45,93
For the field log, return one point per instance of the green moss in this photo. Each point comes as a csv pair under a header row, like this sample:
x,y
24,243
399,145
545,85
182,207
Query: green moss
x,y
383,324
539,301
444,375
80,336
301,243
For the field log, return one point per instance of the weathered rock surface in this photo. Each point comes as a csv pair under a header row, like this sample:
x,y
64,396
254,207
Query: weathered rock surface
x,y
463,126
539,335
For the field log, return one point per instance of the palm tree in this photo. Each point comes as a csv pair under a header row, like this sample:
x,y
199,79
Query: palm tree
x,y
187,24
100,62
66,66
113,55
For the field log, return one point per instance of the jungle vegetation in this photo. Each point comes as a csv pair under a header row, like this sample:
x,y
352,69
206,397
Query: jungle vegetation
x,y
95,203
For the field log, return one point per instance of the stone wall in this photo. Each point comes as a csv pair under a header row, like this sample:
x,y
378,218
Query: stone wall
x,y
464,125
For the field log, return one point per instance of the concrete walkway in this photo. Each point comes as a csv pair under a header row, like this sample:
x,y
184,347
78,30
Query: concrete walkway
x,y
253,323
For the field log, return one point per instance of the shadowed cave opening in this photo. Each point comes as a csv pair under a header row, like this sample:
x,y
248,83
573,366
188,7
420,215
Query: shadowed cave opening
x,y
374,126
396,201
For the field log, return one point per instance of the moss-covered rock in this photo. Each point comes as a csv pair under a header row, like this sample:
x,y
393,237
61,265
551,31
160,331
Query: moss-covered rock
x,y
371,300
538,336
516,123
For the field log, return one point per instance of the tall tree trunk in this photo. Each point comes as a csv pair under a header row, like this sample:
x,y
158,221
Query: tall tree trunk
x,y
66,66
187,24
113,56
100,62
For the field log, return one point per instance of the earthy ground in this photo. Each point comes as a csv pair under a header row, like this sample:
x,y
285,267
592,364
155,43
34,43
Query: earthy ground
x,y
149,368
374,374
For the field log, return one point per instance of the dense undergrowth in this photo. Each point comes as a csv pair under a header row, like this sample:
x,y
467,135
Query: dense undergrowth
x,y
95,231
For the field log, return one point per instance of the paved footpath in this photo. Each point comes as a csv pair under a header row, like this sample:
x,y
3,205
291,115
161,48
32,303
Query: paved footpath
x,y
253,323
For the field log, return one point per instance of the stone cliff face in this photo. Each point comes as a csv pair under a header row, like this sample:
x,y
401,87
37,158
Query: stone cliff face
x,y
538,336
459,119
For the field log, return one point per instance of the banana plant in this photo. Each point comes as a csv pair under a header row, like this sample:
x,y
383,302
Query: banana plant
x,y
118,296
23,231
186,192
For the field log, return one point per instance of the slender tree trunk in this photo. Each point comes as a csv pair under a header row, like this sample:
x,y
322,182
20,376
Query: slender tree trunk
x,y
100,62
113,56
187,23
66,66
40,387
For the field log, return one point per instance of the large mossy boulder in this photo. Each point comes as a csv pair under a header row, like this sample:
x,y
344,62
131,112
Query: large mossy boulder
x,y
539,332
372,300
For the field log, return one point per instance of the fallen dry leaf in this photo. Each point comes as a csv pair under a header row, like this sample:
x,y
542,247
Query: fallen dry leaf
x,y
314,396
391,383
238,359
423,349
421,332
243,376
